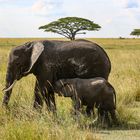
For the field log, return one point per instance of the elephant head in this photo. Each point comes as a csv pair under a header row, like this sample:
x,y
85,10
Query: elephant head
x,y
21,61
64,88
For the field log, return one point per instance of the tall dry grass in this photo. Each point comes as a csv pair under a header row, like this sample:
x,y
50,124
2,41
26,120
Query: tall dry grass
x,y
22,122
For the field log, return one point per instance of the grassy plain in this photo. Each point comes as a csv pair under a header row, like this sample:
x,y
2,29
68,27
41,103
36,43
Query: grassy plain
x,y
21,122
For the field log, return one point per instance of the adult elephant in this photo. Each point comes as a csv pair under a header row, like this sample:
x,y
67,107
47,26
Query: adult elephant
x,y
50,61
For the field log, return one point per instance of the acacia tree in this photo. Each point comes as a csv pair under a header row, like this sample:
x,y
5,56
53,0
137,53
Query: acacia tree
x,y
135,32
69,27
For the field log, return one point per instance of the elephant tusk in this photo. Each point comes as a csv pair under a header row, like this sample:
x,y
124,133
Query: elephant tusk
x,y
25,73
7,89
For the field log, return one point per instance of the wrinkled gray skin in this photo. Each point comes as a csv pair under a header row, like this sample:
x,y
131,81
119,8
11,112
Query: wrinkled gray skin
x,y
90,92
50,61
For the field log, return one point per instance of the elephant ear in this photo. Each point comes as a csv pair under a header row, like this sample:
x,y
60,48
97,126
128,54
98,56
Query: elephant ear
x,y
36,52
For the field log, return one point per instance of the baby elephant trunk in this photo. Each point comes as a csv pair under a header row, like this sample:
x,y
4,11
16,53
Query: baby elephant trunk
x,y
64,89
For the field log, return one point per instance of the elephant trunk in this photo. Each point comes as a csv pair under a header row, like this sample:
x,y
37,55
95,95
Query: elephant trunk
x,y
10,82
10,87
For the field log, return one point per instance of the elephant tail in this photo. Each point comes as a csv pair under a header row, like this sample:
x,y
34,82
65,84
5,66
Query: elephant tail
x,y
114,96
114,92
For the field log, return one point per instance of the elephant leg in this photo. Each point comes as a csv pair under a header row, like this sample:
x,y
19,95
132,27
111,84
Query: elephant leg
x,y
38,99
41,94
107,119
88,111
103,117
52,101
100,115
92,109
6,98
76,104
49,97
113,117
45,95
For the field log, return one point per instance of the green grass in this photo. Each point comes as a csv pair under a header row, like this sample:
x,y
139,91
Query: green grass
x,y
21,122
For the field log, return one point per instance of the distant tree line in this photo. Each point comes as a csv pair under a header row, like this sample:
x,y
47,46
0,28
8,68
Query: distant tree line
x,y
135,32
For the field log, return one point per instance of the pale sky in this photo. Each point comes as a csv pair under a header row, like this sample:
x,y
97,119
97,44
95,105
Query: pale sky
x,y
21,18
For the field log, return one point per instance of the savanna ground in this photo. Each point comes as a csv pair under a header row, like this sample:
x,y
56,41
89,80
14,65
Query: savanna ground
x,y
21,122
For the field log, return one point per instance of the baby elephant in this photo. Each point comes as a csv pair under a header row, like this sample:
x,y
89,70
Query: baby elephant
x,y
90,92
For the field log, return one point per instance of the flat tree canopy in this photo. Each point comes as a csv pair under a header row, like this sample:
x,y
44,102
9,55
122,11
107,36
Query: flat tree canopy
x,y
135,32
69,27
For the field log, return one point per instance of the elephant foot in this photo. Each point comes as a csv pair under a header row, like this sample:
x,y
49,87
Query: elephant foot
x,y
103,122
96,123
37,105
116,123
5,106
5,102
53,110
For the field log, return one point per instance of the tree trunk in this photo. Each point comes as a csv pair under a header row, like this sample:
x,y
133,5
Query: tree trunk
x,y
73,36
